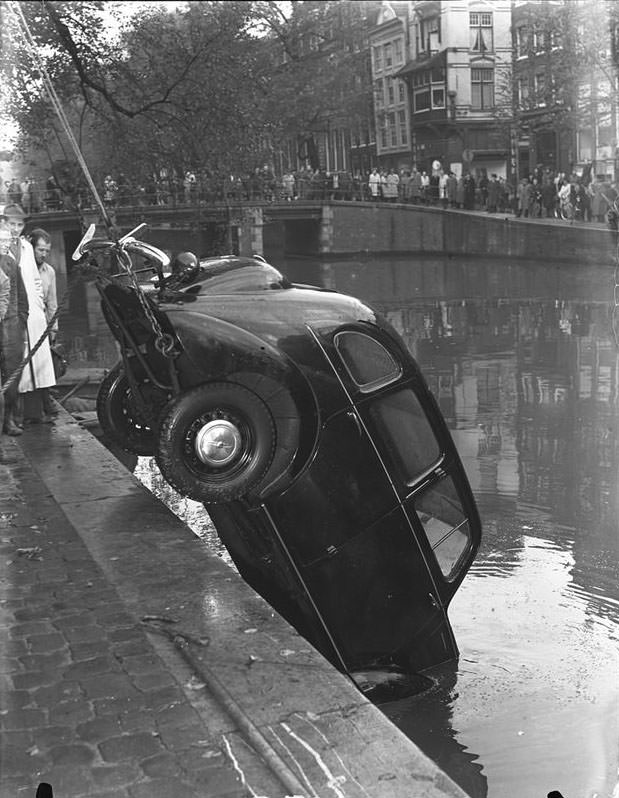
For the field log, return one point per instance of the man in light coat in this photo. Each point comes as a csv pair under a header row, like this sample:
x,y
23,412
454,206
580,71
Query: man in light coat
x,y
38,373
374,184
41,244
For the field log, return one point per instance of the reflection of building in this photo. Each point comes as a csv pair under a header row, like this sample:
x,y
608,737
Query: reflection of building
x,y
568,397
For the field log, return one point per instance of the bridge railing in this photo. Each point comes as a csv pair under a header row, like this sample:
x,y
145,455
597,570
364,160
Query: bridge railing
x,y
145,197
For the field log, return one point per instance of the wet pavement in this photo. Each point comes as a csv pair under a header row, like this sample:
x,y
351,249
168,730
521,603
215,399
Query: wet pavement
x,y
134,662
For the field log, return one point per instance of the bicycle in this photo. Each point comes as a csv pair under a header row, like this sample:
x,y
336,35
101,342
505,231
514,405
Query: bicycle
x,y
567,210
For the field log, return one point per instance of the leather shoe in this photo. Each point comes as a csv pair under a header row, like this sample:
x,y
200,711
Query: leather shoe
x,y
11,428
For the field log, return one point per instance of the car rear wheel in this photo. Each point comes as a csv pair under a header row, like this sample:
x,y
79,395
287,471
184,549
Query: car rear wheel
x,y
216,442
120,416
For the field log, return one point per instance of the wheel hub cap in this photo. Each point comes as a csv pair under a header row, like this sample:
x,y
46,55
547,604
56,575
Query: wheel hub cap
x,y
218,443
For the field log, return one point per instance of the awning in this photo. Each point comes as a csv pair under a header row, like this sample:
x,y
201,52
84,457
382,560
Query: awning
x,y
436,60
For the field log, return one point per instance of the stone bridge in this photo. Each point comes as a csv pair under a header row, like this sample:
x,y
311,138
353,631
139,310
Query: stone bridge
x,y
340,228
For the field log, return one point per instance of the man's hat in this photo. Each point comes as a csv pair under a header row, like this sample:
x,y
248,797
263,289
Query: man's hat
x,y
13,211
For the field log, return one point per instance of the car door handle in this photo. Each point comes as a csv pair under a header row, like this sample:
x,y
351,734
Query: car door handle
x,y
433,601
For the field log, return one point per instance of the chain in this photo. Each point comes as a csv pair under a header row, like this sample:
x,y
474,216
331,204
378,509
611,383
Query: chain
x,y
164,343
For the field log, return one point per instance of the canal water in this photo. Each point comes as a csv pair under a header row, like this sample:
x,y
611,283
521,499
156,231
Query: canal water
x,y
523,362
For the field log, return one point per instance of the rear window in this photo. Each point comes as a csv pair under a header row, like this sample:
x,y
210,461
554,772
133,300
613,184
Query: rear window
x,y
367,361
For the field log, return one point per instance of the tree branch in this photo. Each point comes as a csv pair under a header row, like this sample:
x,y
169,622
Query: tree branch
x,y
87,81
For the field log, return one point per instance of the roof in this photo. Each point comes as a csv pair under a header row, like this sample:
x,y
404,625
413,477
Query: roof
x,y
438,59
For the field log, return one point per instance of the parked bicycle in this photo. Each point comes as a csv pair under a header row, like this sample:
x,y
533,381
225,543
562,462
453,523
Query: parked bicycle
x,y
567,210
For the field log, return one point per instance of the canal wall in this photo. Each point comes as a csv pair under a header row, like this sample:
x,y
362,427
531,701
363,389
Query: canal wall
x,y
351,228
348,228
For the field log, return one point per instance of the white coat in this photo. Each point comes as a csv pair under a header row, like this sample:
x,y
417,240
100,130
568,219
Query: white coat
x,y
42,364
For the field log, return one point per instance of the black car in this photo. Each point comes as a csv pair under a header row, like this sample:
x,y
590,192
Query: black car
x,y
299,418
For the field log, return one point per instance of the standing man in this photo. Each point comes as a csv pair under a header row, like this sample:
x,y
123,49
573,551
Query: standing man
x,y
38,373
374,184
41,244
5,305
14,320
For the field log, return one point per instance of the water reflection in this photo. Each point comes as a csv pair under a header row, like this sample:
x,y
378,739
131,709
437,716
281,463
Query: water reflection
x,y
521,360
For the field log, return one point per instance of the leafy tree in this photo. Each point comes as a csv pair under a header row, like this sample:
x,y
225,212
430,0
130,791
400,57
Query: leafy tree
x,y
172,89
193,79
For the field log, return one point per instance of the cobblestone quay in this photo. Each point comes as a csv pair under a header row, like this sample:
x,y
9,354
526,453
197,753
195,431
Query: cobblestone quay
x,y
135,663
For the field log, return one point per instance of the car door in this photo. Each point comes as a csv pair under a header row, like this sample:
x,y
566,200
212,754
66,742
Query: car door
x,y
349,540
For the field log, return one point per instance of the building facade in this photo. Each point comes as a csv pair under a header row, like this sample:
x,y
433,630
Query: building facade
x,y
565,86
390,50
455,54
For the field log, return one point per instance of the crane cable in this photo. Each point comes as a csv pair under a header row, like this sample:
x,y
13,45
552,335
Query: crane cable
x,y
57,105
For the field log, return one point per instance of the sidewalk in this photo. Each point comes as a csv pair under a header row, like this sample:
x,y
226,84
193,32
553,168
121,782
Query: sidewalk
x,y
136,663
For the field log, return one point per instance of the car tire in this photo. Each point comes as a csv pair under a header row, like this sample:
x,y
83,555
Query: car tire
x,y
216,442
120,417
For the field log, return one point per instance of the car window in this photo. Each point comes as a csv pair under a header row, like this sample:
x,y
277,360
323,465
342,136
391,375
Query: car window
x,y
367,361
445,523
404,433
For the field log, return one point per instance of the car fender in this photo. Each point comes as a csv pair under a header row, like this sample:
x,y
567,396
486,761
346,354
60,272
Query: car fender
x,y
214,349
218,348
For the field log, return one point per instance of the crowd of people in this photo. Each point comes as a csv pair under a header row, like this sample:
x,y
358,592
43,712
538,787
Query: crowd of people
x,y
28,324
33,196
543,194
261,185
